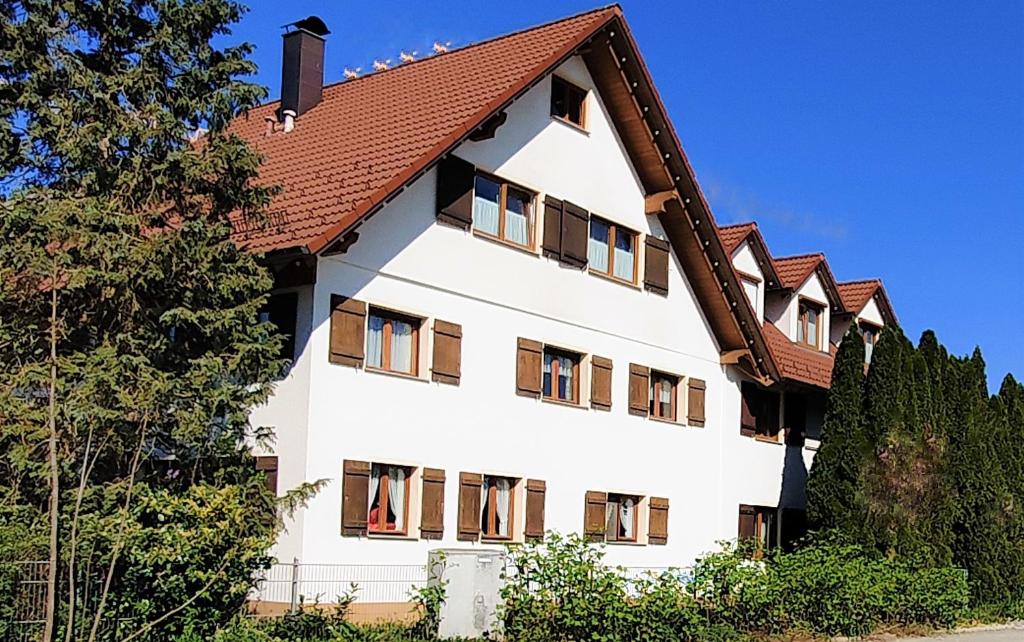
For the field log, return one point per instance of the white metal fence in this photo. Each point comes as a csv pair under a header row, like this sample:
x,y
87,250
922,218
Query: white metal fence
x,y
302,583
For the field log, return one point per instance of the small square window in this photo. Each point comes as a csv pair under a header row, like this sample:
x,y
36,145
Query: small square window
x,y
663,396
622,518
389,499
568,102
759,523
503,210
561,375
497,507
392,342
611,250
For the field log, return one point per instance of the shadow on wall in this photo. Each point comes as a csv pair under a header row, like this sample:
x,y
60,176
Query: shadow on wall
x,y
793,496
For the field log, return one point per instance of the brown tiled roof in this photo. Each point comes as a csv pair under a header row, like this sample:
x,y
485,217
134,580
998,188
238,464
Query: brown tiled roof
x,y
794,270
373,134
856,294
796,362
733,235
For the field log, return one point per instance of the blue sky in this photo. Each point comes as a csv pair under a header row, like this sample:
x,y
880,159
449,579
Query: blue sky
x,y
889,135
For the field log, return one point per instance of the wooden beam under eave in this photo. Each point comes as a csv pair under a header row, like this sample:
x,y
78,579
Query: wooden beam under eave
x,y
732,357
655,203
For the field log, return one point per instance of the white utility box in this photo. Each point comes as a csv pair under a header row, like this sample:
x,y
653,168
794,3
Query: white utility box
x,y
472,591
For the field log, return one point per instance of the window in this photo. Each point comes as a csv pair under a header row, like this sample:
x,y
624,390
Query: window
x,y
621,518
388,499
280,309
611,250
497,507
662,397
870,333
568,102
808,328
392,342
503,211
760,524
561,371
759,412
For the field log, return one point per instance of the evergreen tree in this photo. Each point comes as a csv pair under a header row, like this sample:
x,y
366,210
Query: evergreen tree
x,y
832,486
129,348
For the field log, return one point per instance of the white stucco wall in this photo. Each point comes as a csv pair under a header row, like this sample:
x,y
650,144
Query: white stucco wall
x,y
405,260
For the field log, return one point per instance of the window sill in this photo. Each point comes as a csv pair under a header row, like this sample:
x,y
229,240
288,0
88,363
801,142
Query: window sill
x,y
614,279
525,249
623,543
398,375
496,540
568,123
559,402
386,535
769,440
662,420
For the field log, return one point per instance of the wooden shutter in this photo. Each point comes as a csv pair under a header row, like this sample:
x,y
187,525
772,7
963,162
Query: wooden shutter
x,y
528,367
535,495
600,383
695,401
455,192
469,506
432,513
639,390
348,329
656,265
747,522
552,243
575,235
447,366
748,406
594,515
268,464
657,531
355,495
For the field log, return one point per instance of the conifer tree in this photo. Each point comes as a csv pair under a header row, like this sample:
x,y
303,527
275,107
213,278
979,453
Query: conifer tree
x,y
832,486
130,354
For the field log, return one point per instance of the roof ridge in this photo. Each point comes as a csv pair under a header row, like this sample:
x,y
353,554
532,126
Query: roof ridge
x,y
859,281
732,225
799,256
467,47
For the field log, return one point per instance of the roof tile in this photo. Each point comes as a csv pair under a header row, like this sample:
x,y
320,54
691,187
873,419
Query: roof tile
x,y
797,362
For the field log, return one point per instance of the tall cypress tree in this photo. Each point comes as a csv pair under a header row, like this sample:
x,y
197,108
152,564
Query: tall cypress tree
x,y
832,486
130,354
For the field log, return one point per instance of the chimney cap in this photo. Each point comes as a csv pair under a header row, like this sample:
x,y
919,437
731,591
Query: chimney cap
x,y
311,24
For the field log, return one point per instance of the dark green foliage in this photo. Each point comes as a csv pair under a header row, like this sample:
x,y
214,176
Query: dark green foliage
x,y
832,486
125,302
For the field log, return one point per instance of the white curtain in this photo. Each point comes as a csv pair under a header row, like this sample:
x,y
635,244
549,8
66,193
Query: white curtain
x,y
626,509
517,227
374,487
812,326
666,391
401,346
396,495
624,258
869,347
503,492
597,248
375,342
565,371
485,215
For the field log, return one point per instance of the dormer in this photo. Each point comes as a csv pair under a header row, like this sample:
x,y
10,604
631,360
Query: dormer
x,y
752,263
866,302
806,301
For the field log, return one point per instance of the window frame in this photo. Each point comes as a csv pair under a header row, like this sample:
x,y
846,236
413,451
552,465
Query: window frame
x,y
555,366
387,331
531,216
654,409
869,329
804,307
619,497
613,231
490,505
760,524
571,89
382,499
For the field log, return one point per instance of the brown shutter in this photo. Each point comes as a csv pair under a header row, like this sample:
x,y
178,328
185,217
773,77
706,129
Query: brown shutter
x,y
455,192
747,521
656,265
594,516
355,492
535,494
575,235
601,383
657,531
768,415
639,390
432,513
695,401
748,405
268,464
469,506
528,367
447,366
348,327
552,243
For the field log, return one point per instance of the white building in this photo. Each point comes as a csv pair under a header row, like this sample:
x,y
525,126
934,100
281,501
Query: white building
x,y
513,311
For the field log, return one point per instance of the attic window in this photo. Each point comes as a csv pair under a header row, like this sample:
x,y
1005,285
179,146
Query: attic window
x,y
568,102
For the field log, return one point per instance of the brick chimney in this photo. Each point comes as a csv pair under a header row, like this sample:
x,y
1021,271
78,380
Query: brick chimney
x,y
302,70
